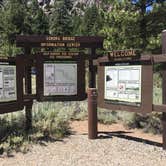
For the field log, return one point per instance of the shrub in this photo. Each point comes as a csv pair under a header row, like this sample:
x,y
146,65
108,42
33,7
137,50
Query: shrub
x,y
107,117
50,122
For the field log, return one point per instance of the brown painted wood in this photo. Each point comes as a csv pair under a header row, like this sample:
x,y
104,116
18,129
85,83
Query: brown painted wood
x,y
159,108
159,58
92,72
164,89
92,113
28,90
143,58
59,41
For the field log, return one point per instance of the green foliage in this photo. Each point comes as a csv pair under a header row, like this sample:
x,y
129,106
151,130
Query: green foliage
x,y
36,21
125,24
119,27
20,17
150,123
11,24
129,25
107,117
61,19
79,110
50,122
92,21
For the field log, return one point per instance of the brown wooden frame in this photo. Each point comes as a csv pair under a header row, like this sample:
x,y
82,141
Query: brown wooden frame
x,y
81,94
146,90
12,106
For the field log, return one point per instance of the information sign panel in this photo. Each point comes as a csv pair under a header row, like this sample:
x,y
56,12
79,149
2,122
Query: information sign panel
x,y
60,78
123,84
8,90
126,85
11,84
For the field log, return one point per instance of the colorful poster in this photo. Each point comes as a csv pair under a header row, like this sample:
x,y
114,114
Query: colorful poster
x,y
60,79
8,90
123,83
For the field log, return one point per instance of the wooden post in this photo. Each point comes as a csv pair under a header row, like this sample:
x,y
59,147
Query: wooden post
x,y
92,113
164,89
92,71
28,90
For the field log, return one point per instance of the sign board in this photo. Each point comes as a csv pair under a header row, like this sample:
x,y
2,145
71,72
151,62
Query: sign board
x,y
60,79
8,89
59,41
123,84
11,95
61,53
121,54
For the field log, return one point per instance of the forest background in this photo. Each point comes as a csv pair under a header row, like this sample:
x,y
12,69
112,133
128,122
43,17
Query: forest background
x,y
125,24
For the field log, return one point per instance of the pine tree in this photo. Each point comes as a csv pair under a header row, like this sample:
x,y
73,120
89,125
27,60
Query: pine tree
x,y
12,23
61,19
92,21
36,21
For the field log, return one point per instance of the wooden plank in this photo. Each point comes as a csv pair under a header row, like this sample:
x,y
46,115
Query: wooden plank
x,y
159,58
46,38
159,108
164,89
59,41
128,59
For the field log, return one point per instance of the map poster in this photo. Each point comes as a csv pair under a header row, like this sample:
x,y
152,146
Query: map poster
x,y
8,83
60,79
123,83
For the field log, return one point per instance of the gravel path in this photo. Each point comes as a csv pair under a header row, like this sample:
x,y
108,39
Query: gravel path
x,y
77,150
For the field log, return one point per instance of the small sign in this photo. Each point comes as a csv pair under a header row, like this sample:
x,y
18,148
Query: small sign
x,y
8,90
60,78
123,84
64,53
11,84
124,54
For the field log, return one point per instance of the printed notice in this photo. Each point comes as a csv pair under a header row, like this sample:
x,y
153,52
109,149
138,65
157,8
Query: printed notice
x,y
60,79
123,83
8,83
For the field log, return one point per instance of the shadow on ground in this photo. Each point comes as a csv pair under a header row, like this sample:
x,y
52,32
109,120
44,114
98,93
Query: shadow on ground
x,y
123,134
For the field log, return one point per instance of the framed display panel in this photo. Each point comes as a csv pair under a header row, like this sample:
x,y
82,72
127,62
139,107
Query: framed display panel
x,y
11,85
60,79
125,86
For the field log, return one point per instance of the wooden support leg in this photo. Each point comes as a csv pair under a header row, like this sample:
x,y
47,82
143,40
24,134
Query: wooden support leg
x,y
92,113
164,130
28,115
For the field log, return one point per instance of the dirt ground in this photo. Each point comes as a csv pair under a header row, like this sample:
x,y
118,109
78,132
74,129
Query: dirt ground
x,y
81,127
115,146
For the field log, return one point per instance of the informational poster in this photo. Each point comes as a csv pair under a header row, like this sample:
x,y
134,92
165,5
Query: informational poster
x,y
123,83
60,79
8,90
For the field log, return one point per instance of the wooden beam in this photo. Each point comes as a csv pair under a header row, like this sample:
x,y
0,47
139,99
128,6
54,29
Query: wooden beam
x,y
59,41
159,108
